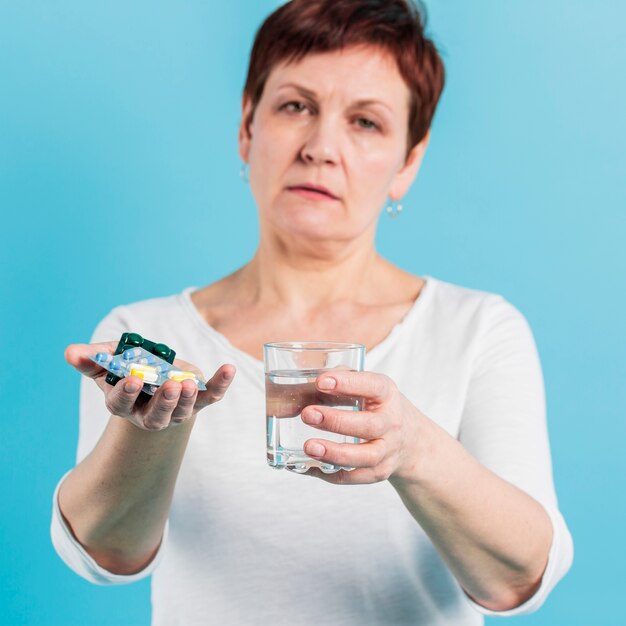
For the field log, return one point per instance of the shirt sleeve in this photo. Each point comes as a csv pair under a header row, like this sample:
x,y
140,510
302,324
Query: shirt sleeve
x,y
504,427
93,420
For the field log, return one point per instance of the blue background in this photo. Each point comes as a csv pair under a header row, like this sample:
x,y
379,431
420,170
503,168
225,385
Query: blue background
x,y
120,118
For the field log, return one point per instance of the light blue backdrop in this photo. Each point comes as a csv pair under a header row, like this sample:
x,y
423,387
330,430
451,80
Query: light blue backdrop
x,y
118,125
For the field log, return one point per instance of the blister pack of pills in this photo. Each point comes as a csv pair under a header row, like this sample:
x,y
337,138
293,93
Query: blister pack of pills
x,y
145,365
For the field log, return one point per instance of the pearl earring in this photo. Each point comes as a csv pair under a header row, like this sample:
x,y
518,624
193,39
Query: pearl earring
x,y
244,172
394,208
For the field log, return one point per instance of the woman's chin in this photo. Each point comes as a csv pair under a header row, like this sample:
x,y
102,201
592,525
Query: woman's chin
x,y
308,219
316,222
317,227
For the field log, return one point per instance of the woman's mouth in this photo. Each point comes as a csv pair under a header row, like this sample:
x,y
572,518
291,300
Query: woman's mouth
x,y
312,192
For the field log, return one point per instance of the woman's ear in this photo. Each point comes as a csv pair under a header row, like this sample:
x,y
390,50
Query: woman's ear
x,y
245,134
406,175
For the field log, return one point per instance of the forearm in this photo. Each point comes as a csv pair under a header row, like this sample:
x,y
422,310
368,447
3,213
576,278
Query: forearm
x,y
117,499
494,537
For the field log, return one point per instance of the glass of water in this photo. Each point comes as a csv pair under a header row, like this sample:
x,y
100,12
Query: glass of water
x,y
291,369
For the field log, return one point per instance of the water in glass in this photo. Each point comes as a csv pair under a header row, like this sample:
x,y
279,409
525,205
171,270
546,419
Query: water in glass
x,y
287,392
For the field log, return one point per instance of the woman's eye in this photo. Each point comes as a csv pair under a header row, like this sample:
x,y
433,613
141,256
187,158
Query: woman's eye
x,y
367,124
296,107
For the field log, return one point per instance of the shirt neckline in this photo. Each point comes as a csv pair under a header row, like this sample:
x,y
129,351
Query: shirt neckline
x,y
372,355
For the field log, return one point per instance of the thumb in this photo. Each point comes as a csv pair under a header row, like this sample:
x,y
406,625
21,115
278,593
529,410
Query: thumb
x,y
77,355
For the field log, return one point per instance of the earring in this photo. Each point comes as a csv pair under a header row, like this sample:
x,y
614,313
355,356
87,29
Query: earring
x,y
394,208
244,172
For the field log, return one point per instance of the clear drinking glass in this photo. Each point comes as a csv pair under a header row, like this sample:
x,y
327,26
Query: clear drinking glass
x,y
291,369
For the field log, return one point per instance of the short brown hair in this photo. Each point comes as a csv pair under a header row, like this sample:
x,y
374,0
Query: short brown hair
x,y
301,27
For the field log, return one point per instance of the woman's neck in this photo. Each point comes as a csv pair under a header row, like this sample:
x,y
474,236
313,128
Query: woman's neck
x,y
304,281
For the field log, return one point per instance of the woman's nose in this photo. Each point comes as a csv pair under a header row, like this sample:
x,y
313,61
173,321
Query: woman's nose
x,y
321,144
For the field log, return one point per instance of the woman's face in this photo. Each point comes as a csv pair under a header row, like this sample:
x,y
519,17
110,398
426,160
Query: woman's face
x,y
337,120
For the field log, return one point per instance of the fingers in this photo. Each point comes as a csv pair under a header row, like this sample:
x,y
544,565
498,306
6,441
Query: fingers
x,y
77,355
161,407
120,399
172,403
216,387
186,403
368,385
371,456
177,402
363,476
361,424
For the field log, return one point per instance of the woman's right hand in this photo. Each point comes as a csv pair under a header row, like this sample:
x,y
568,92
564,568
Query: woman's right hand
x,y
173,402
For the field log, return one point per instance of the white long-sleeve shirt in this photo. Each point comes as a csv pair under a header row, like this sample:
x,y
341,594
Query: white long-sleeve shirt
x,y
246,544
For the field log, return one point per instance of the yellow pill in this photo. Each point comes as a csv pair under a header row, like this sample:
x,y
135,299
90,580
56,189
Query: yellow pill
x,y
145,372
136,372
179,376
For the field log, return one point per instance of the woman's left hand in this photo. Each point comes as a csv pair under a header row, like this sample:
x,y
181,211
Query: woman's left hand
x,y
388,421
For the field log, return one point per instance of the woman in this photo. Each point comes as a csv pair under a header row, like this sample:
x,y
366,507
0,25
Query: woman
x,y
336,110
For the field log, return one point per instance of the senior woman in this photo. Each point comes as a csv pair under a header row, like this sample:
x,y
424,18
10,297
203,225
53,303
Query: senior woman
x,y
459,515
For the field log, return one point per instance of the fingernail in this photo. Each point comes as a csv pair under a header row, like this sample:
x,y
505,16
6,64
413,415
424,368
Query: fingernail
x,y
187,393
327,383
316,449
312,416
171,394
131,388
